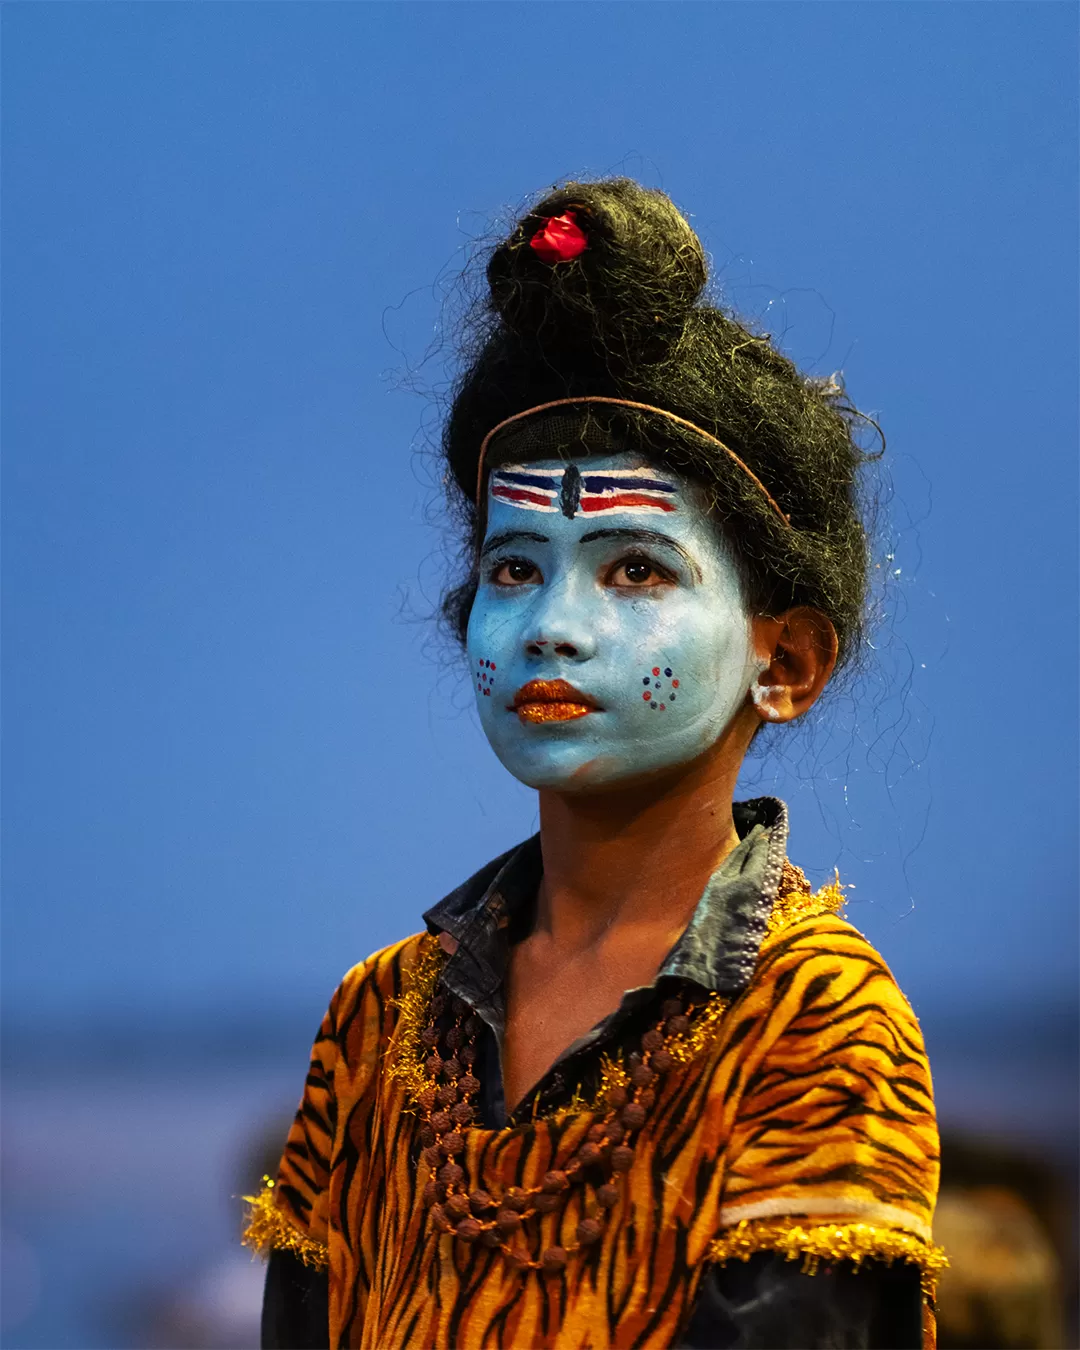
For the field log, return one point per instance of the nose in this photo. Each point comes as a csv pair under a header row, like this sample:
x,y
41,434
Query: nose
x,y
560,626
570,650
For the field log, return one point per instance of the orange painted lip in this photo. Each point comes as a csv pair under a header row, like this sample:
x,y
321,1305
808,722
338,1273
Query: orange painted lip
x,y
552,701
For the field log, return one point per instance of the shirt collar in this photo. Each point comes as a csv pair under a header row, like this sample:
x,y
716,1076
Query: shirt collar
x,y
718,950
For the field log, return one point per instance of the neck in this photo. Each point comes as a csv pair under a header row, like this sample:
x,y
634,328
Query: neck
x,y
634,861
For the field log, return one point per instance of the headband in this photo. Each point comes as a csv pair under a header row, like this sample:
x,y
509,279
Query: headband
x,y
622,403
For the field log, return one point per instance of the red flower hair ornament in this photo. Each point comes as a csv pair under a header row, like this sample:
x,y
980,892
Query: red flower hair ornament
x,y
560,239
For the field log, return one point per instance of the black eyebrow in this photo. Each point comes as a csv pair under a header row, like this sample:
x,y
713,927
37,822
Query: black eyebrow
x,y
497,540
645,537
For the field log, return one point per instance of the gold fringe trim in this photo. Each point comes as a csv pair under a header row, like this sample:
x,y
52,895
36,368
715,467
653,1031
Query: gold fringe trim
x,y
682,1049
267,1229
407,1054
688,1046
414,1011
796,901
855,1242
613,1074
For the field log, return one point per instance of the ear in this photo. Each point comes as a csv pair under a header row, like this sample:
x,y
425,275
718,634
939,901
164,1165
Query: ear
x,y
799,648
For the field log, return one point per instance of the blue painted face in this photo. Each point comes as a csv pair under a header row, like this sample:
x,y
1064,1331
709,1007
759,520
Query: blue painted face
x,y
608,639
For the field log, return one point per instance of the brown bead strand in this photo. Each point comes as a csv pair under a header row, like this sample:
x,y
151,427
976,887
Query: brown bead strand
x,y
447,1110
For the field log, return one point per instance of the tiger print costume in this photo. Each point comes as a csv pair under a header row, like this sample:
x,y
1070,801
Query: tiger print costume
x,y
804,1124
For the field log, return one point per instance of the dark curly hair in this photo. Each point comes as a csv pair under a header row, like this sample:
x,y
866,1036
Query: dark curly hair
x,y
626,319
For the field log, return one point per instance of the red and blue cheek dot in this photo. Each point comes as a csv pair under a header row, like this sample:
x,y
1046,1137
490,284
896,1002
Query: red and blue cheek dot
x,y
485,677
653,693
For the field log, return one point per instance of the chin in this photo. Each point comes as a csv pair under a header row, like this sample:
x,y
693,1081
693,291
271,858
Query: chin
x,y
585,775
562,768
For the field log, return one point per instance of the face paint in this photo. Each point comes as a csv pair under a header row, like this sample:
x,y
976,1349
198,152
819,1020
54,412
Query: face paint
x,y
526,488
614,617
566,488
485,677
655,688
632,491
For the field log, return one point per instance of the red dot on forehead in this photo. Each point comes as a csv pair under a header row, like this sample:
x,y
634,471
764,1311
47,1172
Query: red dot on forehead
x,y
646,695
656,670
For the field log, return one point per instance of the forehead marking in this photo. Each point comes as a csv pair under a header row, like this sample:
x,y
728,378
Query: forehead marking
x,y
527,488
633,491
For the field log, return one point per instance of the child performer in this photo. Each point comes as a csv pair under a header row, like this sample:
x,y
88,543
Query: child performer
x,y
635,1084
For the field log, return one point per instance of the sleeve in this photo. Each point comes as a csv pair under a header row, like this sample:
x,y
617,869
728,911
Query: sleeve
x,y
296,1305
290,1219
303,1179
833,1157
769,1303
292,1211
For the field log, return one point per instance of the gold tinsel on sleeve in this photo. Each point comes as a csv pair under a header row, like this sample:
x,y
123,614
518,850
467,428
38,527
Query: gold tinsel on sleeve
x,y
414,1010
267,1229
855,1242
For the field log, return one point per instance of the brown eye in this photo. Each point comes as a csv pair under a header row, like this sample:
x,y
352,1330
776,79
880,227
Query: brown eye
x,y
516,572
637,572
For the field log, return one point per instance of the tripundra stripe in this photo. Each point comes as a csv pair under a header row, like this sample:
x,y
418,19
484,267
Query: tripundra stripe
x,y
568,490
531,490
626,490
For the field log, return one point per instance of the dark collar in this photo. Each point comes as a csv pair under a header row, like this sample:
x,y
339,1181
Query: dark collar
x,y
718,949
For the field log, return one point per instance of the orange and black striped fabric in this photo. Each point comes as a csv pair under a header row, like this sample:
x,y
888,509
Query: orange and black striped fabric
x,y
805,1125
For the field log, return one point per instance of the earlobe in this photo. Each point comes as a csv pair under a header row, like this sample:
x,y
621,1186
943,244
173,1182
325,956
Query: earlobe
x,y
764,696
798,650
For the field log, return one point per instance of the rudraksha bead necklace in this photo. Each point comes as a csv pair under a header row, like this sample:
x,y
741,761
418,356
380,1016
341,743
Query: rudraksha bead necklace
x,y
447,1110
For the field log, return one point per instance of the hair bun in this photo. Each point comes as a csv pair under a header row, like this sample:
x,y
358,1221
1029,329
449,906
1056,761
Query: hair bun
x,y
635,280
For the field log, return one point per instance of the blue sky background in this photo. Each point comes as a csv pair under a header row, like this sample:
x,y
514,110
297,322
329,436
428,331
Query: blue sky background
x,y
237,759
